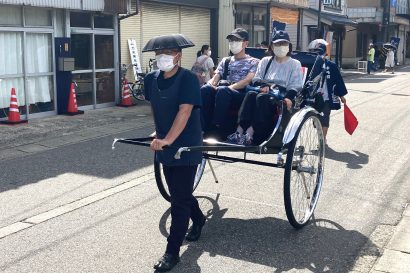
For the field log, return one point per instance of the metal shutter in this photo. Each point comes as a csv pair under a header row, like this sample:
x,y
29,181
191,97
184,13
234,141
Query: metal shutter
x,y
195,24
130,29
157,20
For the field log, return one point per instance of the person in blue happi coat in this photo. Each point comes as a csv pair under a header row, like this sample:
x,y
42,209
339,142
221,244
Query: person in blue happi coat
x,y
332,86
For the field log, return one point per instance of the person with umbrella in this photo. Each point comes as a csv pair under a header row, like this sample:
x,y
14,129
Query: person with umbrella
x,y
389,57
175,101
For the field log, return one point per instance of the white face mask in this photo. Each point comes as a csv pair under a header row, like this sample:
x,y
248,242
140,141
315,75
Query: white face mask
x,y
165,62
281,51
235,47
209,53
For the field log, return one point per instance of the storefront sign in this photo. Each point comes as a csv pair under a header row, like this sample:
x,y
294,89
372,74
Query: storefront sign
x,y
287,16
135,59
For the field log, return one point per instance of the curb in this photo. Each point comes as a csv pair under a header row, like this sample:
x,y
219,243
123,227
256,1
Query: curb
x,y
396,254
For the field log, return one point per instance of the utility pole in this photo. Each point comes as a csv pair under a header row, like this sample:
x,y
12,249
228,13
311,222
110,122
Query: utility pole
x,y
318,20
386,19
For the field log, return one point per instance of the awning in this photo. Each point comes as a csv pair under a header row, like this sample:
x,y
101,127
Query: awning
x,y
333,19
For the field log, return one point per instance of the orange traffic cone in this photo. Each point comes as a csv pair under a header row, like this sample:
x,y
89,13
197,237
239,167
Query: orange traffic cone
x,y
126,95
72,108
14,114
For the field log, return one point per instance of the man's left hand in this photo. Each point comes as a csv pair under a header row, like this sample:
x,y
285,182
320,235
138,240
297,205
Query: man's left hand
x,y
158,144
343,99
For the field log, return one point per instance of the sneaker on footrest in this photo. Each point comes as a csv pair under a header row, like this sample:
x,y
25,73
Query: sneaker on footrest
x,y
245,139
234,138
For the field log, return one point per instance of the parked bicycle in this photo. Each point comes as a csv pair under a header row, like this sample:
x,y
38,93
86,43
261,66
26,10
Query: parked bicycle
x,y
137,87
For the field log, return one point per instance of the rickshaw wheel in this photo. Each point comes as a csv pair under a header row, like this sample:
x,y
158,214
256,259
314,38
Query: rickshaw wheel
x,y
162,185
304,170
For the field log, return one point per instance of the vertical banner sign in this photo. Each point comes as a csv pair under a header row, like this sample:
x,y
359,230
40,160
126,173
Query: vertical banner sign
x,y
135,59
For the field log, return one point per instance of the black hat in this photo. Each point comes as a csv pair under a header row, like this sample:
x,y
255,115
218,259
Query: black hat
x,y
168,42
239,33
280,36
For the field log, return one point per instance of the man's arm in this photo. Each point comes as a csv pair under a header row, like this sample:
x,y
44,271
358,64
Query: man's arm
x,y
243,83
178,126
215,79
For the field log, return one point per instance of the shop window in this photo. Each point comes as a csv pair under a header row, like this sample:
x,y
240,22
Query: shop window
x,y
104,51
239,18
38,55
81,51
37,17
40,94
10,16
80,19
11,71
84,88
246,18
103,21
105,87
11,53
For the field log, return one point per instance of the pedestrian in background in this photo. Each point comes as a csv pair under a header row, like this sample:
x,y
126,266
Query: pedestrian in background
x,y
204,65
389,60
370,58
175,101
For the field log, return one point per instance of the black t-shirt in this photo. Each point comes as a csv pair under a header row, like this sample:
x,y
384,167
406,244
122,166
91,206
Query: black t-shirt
x,y
166,95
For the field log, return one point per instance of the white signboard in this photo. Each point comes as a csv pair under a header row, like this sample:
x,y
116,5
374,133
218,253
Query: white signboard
x,y
327,2
135,59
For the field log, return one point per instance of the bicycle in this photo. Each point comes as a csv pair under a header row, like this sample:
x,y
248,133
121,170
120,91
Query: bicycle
x,y
136,88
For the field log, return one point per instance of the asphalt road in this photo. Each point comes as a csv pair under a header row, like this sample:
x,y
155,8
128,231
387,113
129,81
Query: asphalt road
x,y
86,208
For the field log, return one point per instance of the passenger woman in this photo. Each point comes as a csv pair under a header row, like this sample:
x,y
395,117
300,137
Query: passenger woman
x,y
255,118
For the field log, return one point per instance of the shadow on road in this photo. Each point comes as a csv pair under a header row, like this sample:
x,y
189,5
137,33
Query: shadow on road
x,y
93,158
321,246
354,160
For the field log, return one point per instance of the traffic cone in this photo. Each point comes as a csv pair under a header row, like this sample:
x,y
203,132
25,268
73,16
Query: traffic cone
x,y
72,108
126,95
14,114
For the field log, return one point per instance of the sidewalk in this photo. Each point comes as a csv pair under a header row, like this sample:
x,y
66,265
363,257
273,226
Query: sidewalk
x,y
396,254
387,249
55,131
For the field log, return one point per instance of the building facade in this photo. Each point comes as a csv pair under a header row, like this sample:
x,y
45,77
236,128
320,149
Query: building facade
x,y
195,19
327,20
378,21
30,50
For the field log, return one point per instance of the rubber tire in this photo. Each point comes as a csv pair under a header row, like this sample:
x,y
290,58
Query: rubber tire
x,y
160,180
288,171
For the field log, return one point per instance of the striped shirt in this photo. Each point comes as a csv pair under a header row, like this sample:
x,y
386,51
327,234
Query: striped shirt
x,y
287,74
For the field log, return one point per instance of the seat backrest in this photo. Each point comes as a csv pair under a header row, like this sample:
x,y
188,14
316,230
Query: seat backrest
x,y
304,71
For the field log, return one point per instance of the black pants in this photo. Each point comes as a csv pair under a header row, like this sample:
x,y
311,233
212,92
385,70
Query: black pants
x,y
258,110
180,180
216,105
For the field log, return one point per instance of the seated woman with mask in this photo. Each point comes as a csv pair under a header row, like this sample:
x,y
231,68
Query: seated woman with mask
x,y
255,120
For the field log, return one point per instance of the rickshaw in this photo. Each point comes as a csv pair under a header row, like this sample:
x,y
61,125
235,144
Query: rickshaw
x,y
296,139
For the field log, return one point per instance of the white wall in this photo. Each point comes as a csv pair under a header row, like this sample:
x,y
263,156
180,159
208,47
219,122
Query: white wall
x,y
226,25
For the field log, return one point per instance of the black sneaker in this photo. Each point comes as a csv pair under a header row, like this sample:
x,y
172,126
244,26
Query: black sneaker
x,y
166,262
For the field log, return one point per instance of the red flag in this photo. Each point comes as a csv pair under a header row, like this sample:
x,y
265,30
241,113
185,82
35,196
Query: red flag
x,y
350,120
